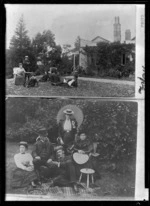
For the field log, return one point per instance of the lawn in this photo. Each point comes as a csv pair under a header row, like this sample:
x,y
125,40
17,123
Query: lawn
x,y
112,183
85,88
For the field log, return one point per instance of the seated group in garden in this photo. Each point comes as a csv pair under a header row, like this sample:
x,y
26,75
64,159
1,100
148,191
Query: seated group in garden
x,y
28,79
59,161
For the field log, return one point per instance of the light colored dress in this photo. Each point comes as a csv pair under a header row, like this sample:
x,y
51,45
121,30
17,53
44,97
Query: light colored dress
x,y
19,75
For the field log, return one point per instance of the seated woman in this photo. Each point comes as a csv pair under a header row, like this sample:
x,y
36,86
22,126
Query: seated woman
x,y
24,174
83,145
19,75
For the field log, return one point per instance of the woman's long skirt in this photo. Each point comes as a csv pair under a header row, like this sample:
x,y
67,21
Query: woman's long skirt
x,y
22,178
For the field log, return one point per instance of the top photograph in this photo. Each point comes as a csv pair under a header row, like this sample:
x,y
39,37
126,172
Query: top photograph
x,y
70,50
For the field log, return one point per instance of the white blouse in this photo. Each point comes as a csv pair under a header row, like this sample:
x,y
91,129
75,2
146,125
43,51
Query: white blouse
x,y
23,160
67,125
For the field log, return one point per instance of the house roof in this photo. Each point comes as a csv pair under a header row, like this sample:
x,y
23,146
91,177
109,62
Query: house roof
x,y
100,38
133,38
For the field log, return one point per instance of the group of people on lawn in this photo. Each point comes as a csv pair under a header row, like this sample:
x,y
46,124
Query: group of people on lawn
x,y
54,161
24,76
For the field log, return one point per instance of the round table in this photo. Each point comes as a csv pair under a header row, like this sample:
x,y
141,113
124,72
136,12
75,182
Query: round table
x,y
88,172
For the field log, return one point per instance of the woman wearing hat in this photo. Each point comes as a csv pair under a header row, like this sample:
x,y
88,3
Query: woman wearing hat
x,y
67,128
24,174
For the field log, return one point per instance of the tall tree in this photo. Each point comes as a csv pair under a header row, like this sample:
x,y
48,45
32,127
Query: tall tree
x,y
20,42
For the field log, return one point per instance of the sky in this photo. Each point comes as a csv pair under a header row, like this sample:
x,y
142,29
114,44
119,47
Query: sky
x,y
72,20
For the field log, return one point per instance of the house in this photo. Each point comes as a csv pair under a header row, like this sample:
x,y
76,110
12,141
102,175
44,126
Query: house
x,y
132,41
100,39
84,59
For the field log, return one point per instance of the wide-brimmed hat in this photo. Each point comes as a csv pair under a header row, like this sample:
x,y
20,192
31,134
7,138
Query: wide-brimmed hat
x,y
77,114
68,111
24,144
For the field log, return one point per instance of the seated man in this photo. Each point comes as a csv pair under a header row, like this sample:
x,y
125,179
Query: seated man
x,y
55,78
66,166
43,156
68,82
45,77
32,82
73,82
50,163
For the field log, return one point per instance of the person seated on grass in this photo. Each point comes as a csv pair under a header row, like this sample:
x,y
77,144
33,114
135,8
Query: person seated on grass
x,y
45,77
67,82
73,82
43,156
19,75
51,164
32,81
24,174
55,77
67,168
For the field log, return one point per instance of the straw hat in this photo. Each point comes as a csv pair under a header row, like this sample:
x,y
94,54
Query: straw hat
x,y
68,111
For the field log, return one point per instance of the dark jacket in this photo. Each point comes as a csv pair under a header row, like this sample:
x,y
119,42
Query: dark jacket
x,y
43,149
26,65
74,126
85,145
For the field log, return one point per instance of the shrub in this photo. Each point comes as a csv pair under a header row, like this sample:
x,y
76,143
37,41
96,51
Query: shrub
x,y
114,123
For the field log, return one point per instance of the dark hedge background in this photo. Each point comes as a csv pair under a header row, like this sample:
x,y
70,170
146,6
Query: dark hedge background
x,y
112,124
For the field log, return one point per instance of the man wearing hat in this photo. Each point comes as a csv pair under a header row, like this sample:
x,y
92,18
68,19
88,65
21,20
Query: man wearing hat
x,y
43,155
67,128
49,162
26,65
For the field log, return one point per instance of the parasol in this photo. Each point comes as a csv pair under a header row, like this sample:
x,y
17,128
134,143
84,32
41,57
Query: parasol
x,y
78,114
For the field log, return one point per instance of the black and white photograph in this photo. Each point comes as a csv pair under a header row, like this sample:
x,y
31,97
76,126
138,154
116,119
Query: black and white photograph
x,y
70,149
71,50
74,102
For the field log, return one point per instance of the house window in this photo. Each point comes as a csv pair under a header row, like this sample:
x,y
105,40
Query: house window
x,y
123,59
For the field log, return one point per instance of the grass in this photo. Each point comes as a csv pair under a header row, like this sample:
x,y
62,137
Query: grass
x,y
85,88
112,183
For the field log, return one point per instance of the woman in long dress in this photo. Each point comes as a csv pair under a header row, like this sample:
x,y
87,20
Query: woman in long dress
x,y
24,174
84,146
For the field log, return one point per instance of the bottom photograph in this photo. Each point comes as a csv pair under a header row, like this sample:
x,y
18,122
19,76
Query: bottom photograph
x,y
70,149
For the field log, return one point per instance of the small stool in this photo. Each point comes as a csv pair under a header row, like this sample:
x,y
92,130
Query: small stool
x,y
88,172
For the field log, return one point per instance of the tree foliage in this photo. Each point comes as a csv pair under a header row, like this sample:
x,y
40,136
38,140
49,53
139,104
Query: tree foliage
x,y
20,46
46,49
112,124
20,42
109,58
